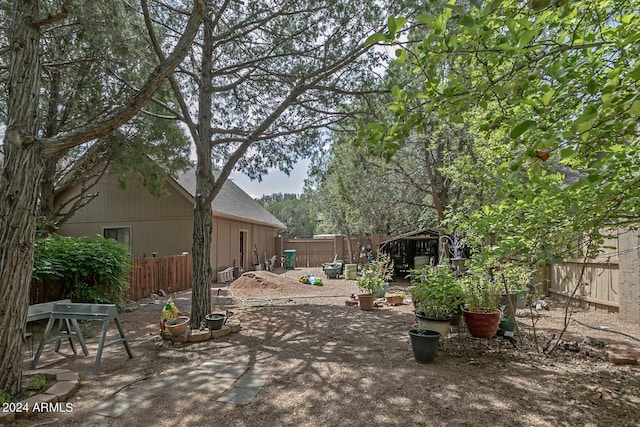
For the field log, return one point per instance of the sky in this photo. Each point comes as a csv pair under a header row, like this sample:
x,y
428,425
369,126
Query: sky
x,y
274,182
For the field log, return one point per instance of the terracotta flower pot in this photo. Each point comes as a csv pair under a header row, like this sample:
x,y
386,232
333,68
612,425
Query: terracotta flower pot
x,y
366,301
178,326
394,299
482,325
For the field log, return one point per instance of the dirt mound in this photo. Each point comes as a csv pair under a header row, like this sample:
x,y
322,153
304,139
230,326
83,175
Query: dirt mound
x,y
264,280
258,284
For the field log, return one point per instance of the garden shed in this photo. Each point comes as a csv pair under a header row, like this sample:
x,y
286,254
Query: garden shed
x,y
412,250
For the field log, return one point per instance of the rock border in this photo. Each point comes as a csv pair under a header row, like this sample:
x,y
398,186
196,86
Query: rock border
x,y
199,335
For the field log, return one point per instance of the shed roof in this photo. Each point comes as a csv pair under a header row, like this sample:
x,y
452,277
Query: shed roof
x,y
231,202
423,234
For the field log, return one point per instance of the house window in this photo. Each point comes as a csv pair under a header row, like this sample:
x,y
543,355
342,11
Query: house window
x,y
121,234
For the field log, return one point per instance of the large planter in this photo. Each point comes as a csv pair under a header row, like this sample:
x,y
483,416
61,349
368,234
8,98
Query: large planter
x,y
439,325
482,325
366,301
177,326
215,321
424,345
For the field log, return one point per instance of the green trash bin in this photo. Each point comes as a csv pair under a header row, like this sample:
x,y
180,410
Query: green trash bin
x,y
290,259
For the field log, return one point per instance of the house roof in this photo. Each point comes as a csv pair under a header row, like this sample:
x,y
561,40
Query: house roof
x,y
231,202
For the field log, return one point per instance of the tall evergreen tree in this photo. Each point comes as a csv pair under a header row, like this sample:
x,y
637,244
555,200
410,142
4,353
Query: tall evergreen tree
x,y
26,151
265,78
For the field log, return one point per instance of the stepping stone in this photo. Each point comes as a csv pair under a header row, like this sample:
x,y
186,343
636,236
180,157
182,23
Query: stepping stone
x,y
231,371
115,407
622,358
7,417
63,389
68,376
215,364
35,401
250,380
215,387
49,373
239,395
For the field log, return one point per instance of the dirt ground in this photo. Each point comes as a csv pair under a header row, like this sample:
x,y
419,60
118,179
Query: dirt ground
x,y
327,364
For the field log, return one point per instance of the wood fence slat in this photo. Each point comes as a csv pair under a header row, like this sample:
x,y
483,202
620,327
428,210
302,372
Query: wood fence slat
x,y
599,284
149,275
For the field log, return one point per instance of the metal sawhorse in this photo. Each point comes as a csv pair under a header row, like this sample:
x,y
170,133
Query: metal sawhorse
x,y
43,311
79,311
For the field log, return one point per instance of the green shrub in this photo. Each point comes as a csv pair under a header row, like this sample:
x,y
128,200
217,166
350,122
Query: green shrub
x,y
4,397
35,383
94,271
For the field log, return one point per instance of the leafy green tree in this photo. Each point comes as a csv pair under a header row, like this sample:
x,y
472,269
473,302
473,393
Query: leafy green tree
x,y
26,150
298,213
550,94
358,194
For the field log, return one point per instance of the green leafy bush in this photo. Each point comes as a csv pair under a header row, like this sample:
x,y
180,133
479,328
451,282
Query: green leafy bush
x,y
4,397
93,271
436,291
35,383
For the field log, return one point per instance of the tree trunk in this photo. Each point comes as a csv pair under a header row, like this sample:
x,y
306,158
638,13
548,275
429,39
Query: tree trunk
x,y
19,182
202,220
201,250
24,162
18,217
349,248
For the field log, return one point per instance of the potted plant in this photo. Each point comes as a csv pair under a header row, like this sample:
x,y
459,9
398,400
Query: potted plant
x,y
437,295
375,275
482,296
424,344
369,285
397,298
178,325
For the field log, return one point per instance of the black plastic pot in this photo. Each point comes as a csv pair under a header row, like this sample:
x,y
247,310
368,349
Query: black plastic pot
x,y
424,345
216,321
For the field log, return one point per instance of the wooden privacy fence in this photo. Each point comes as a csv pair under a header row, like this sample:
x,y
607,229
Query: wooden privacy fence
x,y
317,251
171,274
598,287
